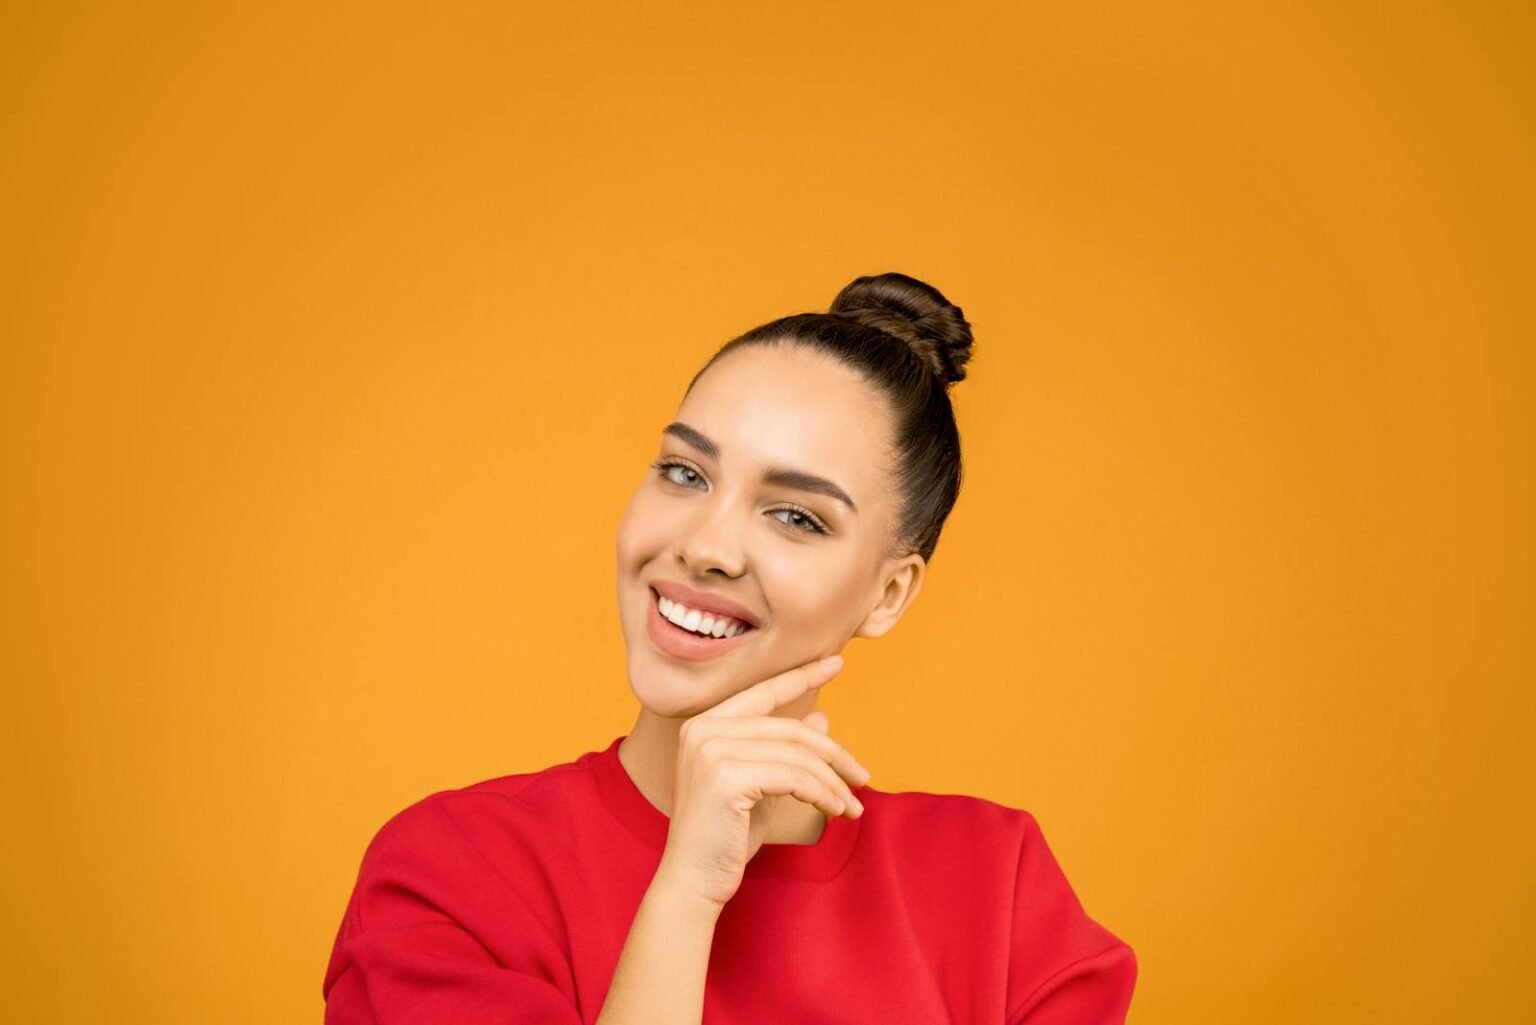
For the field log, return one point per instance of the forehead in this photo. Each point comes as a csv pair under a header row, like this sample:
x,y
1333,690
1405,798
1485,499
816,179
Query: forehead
x,y
786,406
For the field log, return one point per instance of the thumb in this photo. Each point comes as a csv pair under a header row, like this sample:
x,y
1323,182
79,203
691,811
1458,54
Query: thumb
x,y
816,719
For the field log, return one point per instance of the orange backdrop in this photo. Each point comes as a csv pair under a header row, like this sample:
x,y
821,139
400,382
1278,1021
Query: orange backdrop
x,y
337,338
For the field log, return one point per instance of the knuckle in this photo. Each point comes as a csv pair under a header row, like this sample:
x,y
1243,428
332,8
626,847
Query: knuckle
x,y
814,738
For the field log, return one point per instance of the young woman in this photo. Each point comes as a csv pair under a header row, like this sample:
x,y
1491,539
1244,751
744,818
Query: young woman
x,y
727,860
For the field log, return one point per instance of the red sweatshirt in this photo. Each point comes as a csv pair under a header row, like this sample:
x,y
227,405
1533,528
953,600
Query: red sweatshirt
x,y
509,901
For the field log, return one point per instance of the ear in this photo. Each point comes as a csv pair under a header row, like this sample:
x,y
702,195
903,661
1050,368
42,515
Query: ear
x,y
899,584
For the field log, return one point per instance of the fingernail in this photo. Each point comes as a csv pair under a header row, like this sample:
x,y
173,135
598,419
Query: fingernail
x,y
832,661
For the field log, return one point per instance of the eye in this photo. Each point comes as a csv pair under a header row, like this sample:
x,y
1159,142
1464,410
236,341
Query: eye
x,y
663,468
813,525
801,520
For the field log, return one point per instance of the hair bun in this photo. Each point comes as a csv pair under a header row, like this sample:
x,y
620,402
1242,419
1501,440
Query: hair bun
x,y
914,312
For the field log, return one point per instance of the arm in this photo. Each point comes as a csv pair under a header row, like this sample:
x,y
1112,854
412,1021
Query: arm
x,y
660,973
412,947
412,944
1095,990
1064,967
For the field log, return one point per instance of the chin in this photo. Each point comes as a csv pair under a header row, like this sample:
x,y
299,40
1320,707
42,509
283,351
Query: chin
x,y
671,691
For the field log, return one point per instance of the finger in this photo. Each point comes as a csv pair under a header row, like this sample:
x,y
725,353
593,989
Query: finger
x,y
816,719
777,691
790,753
777,779
779,728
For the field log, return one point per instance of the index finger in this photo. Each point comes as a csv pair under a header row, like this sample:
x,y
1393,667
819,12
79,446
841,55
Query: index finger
x,y
776,691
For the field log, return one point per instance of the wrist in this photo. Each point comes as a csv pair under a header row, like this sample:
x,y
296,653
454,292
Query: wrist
x,y
671,890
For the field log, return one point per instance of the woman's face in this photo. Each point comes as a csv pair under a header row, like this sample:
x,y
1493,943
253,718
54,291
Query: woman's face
x,y
810,569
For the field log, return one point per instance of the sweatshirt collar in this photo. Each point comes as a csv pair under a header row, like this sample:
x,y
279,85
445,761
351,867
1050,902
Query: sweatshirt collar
x,y
818,861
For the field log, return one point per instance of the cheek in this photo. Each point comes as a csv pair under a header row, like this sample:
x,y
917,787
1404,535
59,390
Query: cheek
x,y
639,529
810,593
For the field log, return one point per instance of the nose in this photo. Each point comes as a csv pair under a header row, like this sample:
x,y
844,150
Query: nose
x,y
712,541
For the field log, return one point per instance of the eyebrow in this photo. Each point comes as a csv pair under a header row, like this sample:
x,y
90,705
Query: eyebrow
x,y
797,479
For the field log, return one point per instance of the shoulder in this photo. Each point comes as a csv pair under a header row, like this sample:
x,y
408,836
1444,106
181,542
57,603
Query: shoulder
x,y
1004,827
922,809
994,844
455,878
1063,963
977,829
488,812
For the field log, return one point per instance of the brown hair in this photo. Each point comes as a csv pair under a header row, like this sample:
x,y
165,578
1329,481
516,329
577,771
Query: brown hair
x,y
911,343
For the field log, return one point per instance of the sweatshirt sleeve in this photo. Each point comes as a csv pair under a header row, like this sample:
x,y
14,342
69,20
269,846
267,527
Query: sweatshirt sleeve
x,y
1064,968
411,945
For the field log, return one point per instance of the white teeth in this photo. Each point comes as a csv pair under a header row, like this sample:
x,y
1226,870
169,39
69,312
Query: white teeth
x,y
697,621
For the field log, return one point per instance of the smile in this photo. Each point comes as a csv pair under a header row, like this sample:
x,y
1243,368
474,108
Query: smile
x,y
706,624
692,634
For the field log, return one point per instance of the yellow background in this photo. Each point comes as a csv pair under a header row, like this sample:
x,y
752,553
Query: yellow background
x,y
335,340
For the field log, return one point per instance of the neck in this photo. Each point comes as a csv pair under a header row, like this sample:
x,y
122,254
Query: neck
x,y
649,754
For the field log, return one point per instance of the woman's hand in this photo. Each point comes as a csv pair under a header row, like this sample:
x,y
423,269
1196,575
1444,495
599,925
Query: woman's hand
x,y
735,761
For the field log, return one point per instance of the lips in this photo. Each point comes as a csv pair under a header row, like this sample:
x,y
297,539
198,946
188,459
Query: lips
x,y
705,624
685,644
704,601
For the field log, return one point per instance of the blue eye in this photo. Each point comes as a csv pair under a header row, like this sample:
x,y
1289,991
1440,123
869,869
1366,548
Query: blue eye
x,y
808,523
